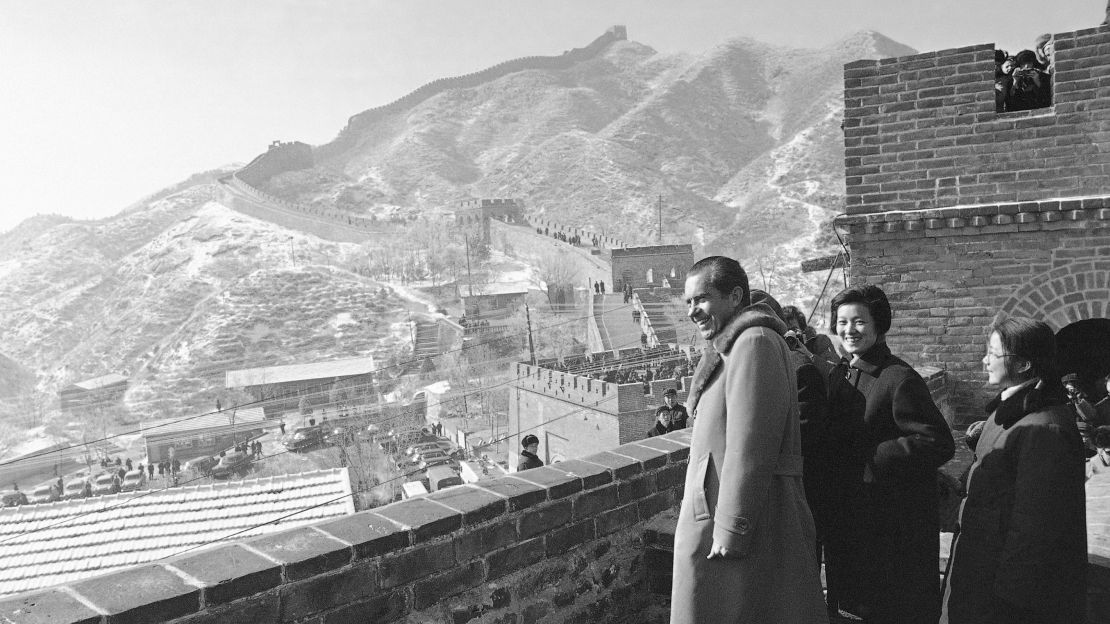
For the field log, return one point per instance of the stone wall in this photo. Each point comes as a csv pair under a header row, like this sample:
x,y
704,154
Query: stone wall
x,y
551,227
964,215
562,542
662,260
281,157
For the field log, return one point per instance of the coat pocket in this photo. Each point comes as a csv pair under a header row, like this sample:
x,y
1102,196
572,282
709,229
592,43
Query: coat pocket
x,y
701,503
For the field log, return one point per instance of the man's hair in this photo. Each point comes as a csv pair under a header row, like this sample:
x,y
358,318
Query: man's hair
x,y
869,295
724,274
793,313
529,440
670,392
1034,342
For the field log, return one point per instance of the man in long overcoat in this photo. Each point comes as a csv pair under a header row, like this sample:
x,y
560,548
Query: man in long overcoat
x,y
744,545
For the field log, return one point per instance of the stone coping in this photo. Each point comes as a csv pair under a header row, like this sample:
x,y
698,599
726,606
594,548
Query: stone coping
x,y
390,561
980,215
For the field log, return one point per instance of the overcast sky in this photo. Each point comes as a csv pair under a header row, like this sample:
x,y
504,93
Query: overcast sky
x,y
103,102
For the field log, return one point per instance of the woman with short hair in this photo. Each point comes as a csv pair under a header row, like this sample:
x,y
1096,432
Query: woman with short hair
x,y
1021,554
883,550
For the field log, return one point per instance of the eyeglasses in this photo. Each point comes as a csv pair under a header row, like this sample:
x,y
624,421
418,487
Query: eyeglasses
x,y
1000,355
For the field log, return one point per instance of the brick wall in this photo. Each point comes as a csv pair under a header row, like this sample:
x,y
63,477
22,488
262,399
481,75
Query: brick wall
x,y
963,214
560,541
922,132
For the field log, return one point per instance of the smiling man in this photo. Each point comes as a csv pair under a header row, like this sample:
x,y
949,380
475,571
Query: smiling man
x,y
744,545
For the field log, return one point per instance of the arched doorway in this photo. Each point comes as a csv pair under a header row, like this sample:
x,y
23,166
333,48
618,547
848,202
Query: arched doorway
x,y
1083,347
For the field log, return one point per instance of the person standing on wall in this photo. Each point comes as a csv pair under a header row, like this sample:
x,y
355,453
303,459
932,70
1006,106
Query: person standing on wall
x,y
528,457
744,543
1021,555
893,438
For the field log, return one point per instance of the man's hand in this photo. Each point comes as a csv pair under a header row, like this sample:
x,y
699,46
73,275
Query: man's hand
x,y
717,551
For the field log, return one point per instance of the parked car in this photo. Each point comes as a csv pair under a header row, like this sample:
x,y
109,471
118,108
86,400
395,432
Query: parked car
x,y
133,480
46,493
430,455
77,488
440,477
13,498
445,460
232,462
106,483
304,438
201,465
416,449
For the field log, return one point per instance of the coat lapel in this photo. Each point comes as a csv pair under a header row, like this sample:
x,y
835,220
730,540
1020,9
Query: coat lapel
x,y
707,369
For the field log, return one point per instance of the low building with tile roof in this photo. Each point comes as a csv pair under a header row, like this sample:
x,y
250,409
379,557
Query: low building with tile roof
x,y
54,543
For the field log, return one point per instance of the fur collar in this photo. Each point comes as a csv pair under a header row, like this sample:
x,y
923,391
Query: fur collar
x,y
758,315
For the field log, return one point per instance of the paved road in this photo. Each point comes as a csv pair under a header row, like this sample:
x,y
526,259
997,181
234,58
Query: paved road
x,y
614,319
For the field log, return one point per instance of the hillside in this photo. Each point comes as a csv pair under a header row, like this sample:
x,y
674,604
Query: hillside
x,y
174,294
743,143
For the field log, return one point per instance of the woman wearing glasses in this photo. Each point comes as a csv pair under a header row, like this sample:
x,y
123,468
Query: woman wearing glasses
x,y
883,551
1021,555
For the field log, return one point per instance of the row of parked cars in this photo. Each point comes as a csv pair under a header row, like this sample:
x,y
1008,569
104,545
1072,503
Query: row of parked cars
x,y
83,486
429,461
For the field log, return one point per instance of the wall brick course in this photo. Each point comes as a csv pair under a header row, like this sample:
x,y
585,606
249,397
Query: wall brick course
x,y
544,518
593,502
520,493
478,541
476,504
405,566
433,589
515,557
334,589
382,608
616,519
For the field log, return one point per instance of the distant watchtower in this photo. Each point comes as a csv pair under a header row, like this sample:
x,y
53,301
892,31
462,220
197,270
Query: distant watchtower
x,y
962,213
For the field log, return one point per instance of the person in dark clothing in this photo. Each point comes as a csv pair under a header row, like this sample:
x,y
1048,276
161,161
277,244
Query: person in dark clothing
x,y
1021,554
1031,86
675,411
528,457
602,283
150,470
889,439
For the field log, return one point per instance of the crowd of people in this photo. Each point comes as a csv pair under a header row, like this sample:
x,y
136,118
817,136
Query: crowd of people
x,y
1024,81
800,458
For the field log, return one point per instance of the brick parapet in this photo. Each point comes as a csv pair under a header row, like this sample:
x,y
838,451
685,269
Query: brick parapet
x,y
921,131
564,538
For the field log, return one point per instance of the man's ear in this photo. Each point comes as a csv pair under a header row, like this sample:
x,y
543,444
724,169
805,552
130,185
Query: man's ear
x,y
1023,365
737,296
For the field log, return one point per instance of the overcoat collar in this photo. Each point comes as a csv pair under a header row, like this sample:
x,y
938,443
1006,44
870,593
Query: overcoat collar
x,y
757,315
873,361
1030,398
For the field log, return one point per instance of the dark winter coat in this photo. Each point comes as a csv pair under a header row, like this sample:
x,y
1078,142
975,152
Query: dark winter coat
x,y
527,461
892,439
1021,555
743,487
813,412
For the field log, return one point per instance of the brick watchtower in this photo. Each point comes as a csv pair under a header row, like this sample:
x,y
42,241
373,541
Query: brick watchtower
x,y
962,213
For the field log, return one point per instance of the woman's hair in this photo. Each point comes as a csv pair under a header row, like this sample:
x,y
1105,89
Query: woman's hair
x,y
869,295
1034,342
724,274
792,313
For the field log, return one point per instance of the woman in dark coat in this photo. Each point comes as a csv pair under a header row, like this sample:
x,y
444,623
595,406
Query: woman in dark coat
x,y
885,543
1021,555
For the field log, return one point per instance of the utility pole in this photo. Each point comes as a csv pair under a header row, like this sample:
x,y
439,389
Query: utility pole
x,y
660,237
292,255
469,279
531,347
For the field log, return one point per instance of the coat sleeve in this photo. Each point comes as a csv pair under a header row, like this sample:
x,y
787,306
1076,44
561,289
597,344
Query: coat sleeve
x,y
1048,474
759,392
813,407
926,440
